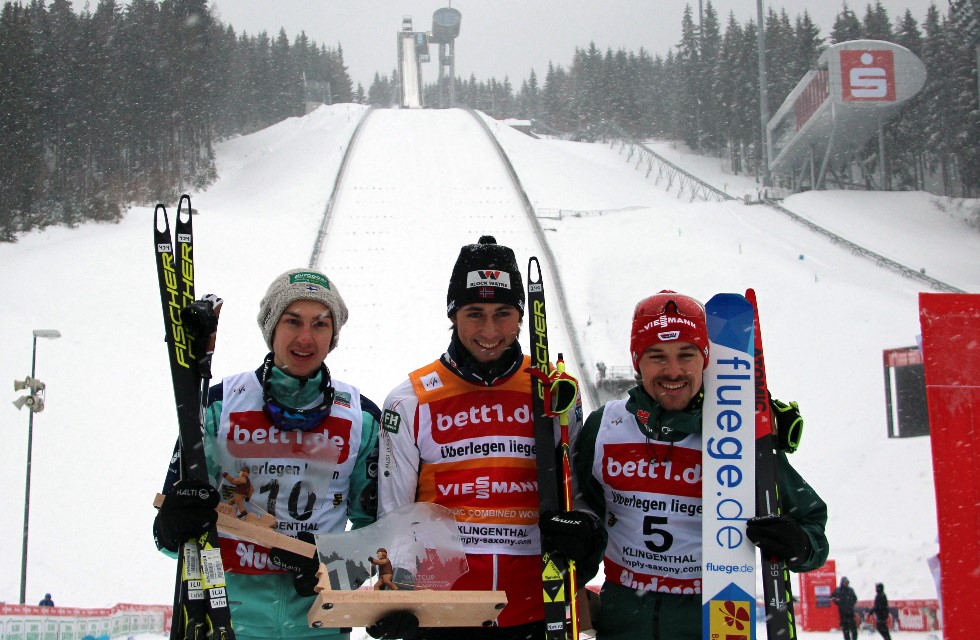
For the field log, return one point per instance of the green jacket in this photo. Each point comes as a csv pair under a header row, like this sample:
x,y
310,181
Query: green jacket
x,y
645,615
266,605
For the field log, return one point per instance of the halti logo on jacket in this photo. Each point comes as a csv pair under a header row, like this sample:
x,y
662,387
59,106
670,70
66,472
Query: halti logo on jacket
x,y
499,279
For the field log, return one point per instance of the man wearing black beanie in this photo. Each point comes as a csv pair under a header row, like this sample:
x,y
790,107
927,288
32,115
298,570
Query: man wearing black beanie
x,y
459,432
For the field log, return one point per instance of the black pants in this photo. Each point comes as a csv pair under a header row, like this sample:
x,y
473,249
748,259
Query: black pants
x,y
529,631
882,627
849,627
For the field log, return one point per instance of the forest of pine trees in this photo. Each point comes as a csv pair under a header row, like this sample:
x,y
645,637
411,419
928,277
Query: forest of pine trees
x,y
123,104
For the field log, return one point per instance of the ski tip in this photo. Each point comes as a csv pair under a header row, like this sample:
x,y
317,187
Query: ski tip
x,y
184,211
726,300
533,270
160,212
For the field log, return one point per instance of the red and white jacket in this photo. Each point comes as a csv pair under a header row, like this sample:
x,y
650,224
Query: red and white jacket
x,y
471,449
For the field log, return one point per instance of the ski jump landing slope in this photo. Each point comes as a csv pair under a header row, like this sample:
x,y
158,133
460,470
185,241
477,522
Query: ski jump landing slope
x,y
418,185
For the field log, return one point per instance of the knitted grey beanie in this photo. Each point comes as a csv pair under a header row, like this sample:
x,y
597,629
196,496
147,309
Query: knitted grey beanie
x,y
300,284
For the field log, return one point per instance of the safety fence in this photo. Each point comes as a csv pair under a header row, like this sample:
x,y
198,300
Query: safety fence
x,y
670,176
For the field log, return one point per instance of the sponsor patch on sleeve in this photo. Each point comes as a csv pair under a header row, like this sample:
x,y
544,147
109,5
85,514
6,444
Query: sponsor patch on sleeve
x,y
390,421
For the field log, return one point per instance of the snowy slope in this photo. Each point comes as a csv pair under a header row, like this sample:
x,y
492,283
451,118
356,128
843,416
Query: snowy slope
x,y
101,446
421,183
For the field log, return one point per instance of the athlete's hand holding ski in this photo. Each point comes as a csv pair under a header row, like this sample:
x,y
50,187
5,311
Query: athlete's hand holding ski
x,y
188,512
573,534
779,537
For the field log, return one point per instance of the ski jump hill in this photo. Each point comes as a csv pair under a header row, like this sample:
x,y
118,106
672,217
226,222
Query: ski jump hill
x,y
384,213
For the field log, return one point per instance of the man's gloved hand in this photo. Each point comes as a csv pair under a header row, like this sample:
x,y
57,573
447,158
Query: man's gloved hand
x,y
789,424
779,537
400,624
303,568
187,512
573,534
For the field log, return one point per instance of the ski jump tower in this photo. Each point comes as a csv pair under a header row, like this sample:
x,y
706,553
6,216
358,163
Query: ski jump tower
x,y
838,107
445,29
413,50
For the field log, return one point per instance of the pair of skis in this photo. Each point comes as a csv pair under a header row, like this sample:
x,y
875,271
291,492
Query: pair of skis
x,y
200,597
736,396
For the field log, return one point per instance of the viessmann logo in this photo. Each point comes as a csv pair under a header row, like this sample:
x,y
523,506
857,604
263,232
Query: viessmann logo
x,y
663,321
517,487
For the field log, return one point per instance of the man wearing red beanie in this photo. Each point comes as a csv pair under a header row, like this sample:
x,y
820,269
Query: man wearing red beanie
x,y
638,464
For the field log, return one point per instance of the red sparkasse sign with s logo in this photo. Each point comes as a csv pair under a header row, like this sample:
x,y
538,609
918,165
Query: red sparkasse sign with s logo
x,y
867,75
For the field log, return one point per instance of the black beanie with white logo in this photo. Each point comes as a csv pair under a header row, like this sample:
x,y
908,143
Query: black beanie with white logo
x,y
485,272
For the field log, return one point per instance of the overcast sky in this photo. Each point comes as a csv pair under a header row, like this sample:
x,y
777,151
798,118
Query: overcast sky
x,y
508,37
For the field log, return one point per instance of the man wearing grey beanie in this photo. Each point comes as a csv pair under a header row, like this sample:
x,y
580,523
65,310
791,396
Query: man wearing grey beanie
x,y
310,443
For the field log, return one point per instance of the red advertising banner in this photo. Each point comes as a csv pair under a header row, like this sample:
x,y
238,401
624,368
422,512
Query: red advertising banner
x,y
951,352
812,97
903,615
816,612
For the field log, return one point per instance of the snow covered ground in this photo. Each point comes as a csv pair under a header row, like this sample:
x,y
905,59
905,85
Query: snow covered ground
x,y
101,446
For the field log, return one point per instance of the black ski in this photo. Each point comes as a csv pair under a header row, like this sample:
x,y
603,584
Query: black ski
x,y
776,587
553,568
200,598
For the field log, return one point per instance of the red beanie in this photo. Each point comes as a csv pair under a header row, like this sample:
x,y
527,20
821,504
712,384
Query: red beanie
x,y
668,317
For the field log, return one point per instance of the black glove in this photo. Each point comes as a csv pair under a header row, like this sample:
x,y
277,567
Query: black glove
x,y
779,537
789,424
400,624
187,512
303,568
573,534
